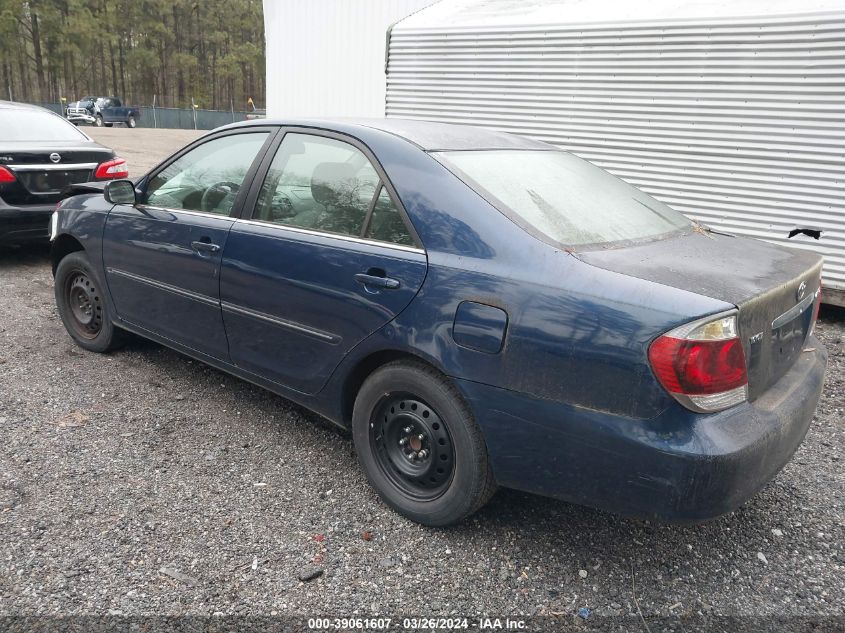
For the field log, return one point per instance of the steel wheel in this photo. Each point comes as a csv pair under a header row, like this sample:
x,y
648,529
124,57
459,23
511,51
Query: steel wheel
x,y
83,306
418,442
86,306
413,447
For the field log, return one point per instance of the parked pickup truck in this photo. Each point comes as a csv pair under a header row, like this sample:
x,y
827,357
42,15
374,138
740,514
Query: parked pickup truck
x,y
102,111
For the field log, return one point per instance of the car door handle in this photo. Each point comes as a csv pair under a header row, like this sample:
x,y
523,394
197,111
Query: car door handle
x,y
376,281
204,247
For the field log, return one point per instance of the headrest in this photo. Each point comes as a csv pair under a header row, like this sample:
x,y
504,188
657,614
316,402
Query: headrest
x,y
329,180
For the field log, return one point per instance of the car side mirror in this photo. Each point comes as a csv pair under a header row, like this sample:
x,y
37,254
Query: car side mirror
x,y
120,192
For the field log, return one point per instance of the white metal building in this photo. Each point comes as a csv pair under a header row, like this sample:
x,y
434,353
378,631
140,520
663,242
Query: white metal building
x,y
732,112
326,57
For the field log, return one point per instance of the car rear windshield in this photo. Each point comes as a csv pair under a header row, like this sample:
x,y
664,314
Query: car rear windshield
x,y
563,197
32,125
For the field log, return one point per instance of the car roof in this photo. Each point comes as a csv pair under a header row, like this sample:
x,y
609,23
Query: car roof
x,y
430,136
15,105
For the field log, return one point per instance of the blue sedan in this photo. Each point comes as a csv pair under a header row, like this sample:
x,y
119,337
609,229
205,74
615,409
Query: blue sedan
x,y
480,309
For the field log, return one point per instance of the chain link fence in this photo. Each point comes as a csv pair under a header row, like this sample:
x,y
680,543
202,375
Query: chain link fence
x,y
175,118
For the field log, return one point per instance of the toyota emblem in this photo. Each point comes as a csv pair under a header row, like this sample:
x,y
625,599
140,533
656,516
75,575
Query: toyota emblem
x,y
801,289
55,157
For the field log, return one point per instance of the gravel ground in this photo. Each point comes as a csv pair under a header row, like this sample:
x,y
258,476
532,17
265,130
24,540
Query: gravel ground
x,y
143,148
142,482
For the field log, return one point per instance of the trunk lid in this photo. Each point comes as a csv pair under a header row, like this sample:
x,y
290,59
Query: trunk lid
x,y
43,170
770,285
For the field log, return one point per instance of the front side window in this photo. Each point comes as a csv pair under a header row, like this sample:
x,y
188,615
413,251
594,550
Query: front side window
x,y
565,198
318,183
207,178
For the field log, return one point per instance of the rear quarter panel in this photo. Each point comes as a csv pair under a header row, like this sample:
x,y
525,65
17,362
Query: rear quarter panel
x,y
575,334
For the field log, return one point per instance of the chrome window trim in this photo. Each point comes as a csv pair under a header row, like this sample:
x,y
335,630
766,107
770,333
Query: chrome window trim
x,y
337,236
202,214
53,167
288,325
292,229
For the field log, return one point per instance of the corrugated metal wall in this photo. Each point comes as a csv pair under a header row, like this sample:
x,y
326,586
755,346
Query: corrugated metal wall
x,y
326,58
739,123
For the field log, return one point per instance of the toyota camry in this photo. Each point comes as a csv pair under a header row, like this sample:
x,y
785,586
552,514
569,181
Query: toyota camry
x,y
480,309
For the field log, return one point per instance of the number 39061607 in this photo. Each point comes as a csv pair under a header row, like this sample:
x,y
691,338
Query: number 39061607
x,y
346,624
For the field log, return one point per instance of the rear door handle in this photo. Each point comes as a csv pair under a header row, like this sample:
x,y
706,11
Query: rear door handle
x,y
375,281
204,247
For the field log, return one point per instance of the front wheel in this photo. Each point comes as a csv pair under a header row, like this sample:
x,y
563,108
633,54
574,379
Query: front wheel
x,y
420,446
130,122
82,307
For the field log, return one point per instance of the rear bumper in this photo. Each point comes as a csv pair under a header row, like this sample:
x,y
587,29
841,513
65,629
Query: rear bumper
x,y
678,467
19,225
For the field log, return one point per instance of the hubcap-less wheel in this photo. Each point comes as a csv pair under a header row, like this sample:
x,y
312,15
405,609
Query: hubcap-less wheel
x,y
418,442
85,305
412,446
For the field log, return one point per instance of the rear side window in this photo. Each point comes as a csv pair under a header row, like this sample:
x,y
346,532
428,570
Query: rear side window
x,y
34,125
207,178
327,185
565,198
386,223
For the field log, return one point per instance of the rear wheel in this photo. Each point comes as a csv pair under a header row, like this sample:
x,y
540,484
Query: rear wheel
x,y
130,122
98,121
82,307
420,446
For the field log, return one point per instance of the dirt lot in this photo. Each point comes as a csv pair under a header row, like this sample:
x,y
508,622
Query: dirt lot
x,y
143,148
142,482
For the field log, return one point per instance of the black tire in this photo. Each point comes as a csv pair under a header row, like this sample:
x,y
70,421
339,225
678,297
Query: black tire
x,y
130,122
109,124
98,121
407,400
82,307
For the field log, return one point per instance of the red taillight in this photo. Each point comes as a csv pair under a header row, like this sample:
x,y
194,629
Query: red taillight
x,y
6,176
702,364
112,169
697,368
